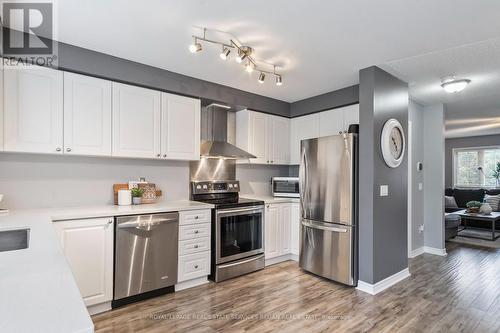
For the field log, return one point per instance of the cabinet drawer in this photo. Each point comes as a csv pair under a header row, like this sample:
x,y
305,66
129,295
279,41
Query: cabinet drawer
x,y
192,266
195,216
194,245
194,231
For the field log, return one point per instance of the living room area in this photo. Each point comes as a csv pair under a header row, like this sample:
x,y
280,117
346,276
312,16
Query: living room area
x,y
454,147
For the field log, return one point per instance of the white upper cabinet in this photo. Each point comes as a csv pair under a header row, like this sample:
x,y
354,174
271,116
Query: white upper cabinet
x,y
265,136
33,109
351,115
331,122
180,130
305,127
87,115
136,121
279,145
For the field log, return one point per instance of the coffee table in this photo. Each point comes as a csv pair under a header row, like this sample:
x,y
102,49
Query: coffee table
x,y
492,218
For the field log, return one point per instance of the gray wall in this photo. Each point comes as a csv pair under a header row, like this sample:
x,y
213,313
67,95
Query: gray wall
x,y
382,220
330,100
434,176
416,203
468,142
40,181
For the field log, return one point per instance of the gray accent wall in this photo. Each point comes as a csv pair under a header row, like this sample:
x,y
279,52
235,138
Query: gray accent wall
x,y
434,176
416,149
467,142
331,100
382,220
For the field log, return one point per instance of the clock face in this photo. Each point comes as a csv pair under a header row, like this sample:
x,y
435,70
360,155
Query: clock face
x,y
393,143
396,143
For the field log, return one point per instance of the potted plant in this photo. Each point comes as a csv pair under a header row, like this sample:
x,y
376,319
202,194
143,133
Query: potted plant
x,y
473,207
496,174
137,195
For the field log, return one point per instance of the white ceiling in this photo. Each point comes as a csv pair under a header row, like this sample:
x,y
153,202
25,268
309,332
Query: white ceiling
x,y
475,110
321,45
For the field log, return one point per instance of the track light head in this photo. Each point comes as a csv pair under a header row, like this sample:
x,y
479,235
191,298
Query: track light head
x,y
195,47
262,77
249,67
279,80
225,53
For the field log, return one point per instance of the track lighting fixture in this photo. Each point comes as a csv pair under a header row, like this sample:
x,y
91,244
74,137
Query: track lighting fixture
x,y
279,80
243,55
225,53
262,77
195,47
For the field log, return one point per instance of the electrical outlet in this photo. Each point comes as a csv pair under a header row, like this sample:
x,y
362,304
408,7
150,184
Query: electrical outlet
x,y
420,228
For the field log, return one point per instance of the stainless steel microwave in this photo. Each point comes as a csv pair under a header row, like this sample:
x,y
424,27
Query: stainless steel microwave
x,y
286,187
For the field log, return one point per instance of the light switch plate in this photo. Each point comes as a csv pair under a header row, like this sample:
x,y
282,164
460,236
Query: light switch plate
x,y
420,186
384,190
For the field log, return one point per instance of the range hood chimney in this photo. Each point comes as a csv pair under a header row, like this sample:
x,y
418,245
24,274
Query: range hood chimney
x,y
215,145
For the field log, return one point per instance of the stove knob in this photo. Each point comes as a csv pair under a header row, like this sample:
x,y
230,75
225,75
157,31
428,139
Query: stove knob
x,y
198,187
205,187
230,185
235,185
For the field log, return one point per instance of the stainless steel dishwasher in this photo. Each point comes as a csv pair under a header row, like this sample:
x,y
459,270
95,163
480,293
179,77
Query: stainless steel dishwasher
x,y
146,249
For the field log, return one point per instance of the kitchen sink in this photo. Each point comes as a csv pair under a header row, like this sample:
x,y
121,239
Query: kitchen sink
x,y
14,239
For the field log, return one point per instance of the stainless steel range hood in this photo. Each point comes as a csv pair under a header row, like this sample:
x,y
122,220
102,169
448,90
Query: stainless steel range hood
x,y
214,135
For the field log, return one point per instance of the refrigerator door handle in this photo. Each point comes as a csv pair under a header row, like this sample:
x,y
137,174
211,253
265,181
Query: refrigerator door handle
x,y
321,227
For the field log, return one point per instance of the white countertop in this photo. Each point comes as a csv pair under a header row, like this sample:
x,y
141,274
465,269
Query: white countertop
x,y
37,290
269,199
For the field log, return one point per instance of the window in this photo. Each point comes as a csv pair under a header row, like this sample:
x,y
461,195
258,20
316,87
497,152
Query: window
x,y
474,167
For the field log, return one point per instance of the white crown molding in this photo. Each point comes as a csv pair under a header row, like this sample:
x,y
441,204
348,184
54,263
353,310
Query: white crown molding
x,y
380,286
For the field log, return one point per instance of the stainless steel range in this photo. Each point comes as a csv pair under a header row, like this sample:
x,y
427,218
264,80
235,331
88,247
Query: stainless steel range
x,y
237,228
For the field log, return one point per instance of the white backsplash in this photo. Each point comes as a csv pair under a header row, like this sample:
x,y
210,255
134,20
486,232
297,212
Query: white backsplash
x,y
256,179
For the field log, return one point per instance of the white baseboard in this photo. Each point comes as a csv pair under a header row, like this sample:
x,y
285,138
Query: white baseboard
x,y
191,283
416,252
380,286
285,257
99,308
435,251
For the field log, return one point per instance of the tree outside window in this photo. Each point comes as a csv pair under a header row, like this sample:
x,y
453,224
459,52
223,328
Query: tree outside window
x,y
474,167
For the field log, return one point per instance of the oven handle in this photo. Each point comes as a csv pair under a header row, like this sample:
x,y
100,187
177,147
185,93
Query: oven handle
x,y
241,210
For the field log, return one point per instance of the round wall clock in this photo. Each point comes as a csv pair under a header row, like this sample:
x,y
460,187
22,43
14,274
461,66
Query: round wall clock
x,y
392,143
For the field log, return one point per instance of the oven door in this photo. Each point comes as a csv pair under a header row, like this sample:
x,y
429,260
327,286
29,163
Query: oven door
x,y
239,233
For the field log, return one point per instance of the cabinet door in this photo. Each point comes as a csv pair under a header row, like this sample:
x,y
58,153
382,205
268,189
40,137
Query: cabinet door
x,y
88,247
33,114
136,121
305,127
351,116
258,137
331,122
180,130
295,229
279,140
87,115
271,234
285,228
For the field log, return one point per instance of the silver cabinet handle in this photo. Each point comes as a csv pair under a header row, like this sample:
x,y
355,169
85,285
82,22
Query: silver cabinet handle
x,y
196,217
110,221
58,149
68,149
195,266
164,155
196,246
158,155
196,231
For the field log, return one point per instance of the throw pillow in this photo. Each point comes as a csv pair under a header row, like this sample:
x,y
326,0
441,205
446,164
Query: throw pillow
x,y
449,202
493,200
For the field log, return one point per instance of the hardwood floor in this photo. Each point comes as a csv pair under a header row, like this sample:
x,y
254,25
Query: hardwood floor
x,y
456,293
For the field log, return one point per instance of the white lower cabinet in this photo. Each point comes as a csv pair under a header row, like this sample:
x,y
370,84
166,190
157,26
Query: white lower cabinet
x,y
194,248
88,247
281,230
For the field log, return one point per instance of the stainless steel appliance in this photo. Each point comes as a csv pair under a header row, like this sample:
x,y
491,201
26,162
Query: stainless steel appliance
x,y
328,182
146,249
237,229
286,187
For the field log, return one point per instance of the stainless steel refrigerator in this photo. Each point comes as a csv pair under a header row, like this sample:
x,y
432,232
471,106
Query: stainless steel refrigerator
x,y
328,183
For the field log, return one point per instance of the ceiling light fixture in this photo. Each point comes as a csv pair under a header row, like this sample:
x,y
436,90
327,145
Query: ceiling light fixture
x,y
244,53
262,77
225,53
451,85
